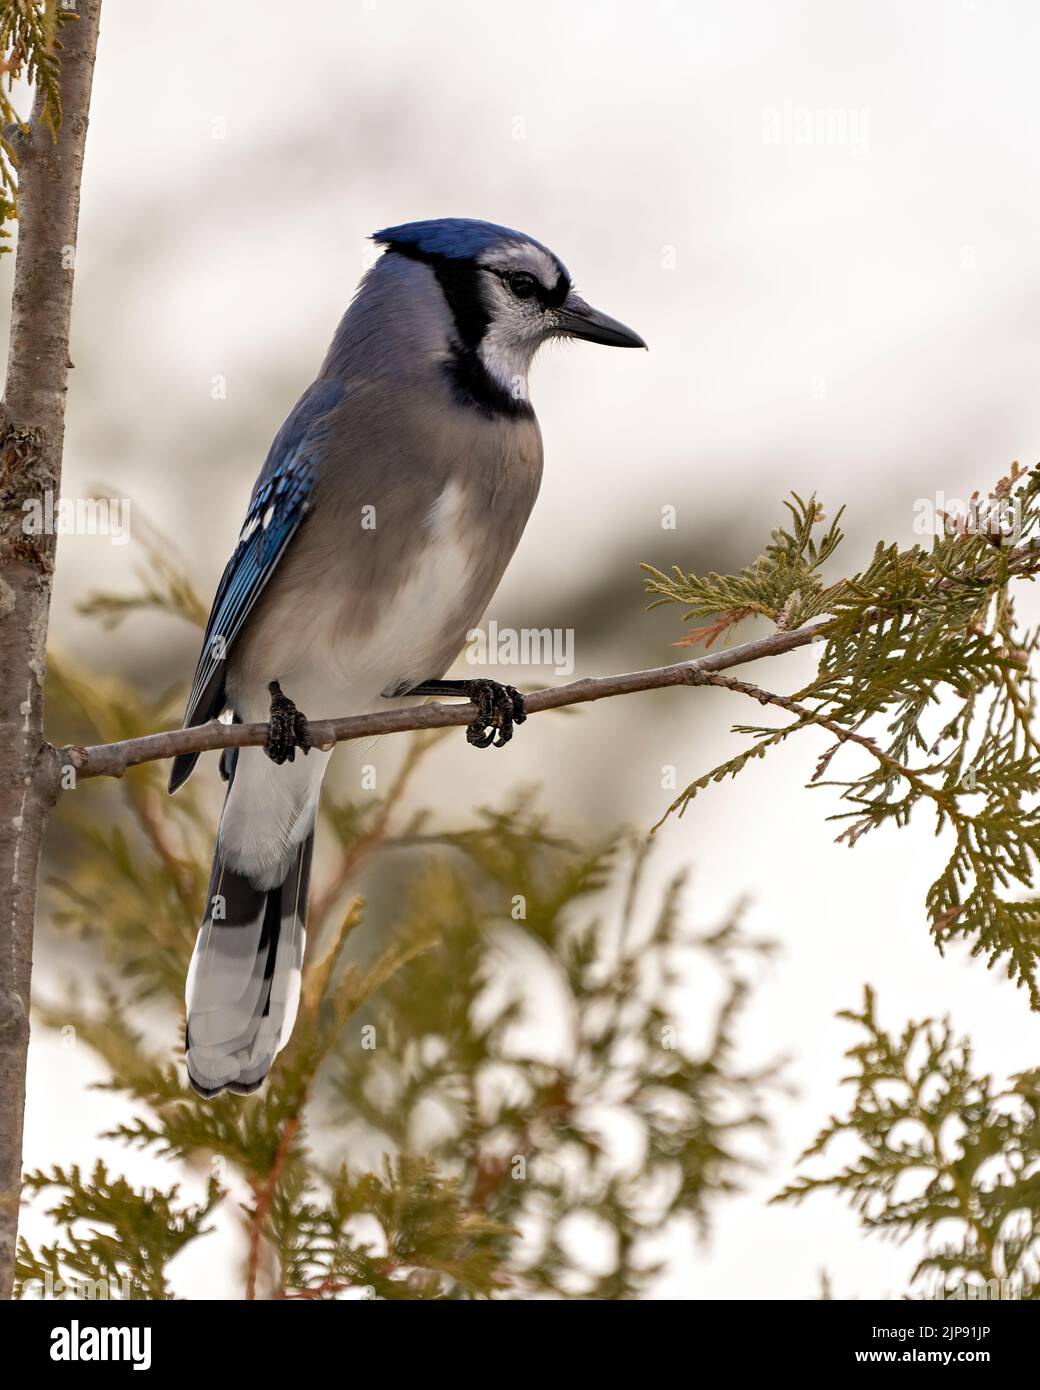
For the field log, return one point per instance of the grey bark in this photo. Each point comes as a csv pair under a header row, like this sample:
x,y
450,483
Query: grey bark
x,y
32,424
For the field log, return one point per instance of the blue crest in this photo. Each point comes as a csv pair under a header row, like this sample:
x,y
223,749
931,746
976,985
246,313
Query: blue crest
x,y
455,238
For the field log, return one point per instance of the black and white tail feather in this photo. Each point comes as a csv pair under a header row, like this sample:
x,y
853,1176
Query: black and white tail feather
x,y
243,985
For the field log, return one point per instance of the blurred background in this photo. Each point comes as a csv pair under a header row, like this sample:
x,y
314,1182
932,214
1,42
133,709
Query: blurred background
x,y
823,219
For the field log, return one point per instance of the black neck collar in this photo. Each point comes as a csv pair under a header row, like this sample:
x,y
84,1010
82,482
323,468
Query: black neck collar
x,y
471,381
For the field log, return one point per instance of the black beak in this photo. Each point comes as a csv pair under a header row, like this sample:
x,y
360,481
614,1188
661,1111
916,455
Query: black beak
x,y
576,319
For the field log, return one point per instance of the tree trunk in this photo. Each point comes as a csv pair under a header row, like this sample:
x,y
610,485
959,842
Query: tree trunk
x,y
32,424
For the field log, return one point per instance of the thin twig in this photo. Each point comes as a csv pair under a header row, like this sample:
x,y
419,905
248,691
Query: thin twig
x,y
113,759
810,716
264,1192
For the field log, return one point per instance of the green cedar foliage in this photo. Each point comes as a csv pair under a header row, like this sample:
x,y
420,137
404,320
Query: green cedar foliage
x,y
413,1141
923,668
941,1151
29,49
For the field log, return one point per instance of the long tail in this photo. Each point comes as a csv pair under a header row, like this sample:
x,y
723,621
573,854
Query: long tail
x,y
243,984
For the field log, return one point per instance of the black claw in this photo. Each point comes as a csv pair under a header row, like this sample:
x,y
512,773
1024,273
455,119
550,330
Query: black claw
x,y
288,728
475,734
499,708
519,705
302,732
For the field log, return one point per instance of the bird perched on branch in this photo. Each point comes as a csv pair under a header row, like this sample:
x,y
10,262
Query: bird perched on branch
x,y
397,489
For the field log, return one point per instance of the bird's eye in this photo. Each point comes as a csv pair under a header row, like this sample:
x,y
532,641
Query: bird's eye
x,y
522,284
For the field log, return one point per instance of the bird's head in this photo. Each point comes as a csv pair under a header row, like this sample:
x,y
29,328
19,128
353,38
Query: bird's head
x,y
507,294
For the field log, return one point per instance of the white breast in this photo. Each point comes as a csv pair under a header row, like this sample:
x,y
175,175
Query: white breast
x,y
331,668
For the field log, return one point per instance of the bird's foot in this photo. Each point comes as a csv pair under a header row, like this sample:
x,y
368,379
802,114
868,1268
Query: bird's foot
x,y
499,708
288,729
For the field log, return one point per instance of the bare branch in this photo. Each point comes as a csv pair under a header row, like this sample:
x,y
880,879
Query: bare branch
x,y
113,759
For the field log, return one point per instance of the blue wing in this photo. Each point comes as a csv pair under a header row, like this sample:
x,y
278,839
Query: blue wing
x,y
276,508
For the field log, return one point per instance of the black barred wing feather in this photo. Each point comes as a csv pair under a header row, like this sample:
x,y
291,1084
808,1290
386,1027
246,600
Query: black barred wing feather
x,y
278,505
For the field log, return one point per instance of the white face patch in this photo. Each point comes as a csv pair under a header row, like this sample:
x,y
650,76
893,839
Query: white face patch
x,y
517,326
522,255
516,331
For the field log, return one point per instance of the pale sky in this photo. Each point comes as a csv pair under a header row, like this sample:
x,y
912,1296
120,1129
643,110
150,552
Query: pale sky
x,y
854,314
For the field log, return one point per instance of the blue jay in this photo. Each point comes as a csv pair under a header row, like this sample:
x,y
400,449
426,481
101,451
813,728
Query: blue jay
x,y
390,504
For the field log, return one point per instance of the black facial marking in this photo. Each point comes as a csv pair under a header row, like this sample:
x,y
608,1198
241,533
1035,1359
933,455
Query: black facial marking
x,y
522,284
525,285
460,284
475,386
